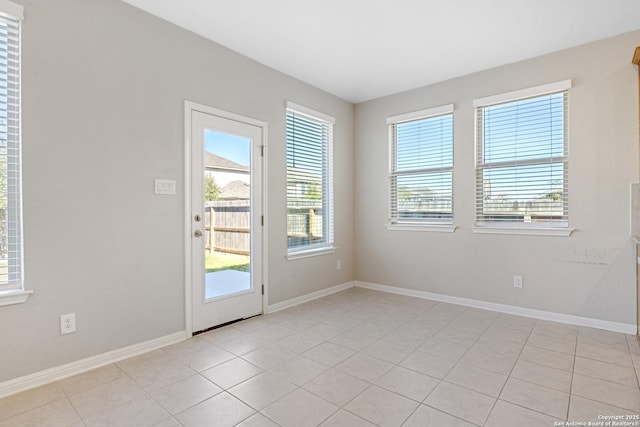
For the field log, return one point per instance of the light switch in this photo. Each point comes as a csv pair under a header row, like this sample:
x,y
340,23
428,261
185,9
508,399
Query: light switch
x,y
165,186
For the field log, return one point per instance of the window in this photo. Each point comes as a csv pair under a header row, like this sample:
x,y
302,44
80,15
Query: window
x,y
421,168
309,181
522,158
11,277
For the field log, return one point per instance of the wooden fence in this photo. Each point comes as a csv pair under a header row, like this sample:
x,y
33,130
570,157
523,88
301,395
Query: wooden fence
x,y
227,226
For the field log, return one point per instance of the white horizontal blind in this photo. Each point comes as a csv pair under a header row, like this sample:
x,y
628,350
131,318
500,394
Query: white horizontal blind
x,y
10,154
421,170
522,162
309,181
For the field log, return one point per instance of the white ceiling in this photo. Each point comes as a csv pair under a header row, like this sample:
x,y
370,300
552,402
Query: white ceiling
x,y
364,49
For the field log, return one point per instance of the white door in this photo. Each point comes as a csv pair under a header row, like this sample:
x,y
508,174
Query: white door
x,y
225,220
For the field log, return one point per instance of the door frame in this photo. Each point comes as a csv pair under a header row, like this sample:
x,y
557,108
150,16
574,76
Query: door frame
x,y
189,107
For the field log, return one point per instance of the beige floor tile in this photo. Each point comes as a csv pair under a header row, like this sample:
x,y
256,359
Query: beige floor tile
x,y
220,335
382,407
323,331
408,383
244,344
392,353
262,390
299,408
519,323
549,358
364,367
354,340
31,399
233,372
157,372
425,416
606,371
428,364
168,422
460,335
269,356
336,387
606,392
88,380
185,393
253,324
57,413
506,334
556,330
585,410
505,414
602,338
344,418
477,379
140,412
329,354
106,397
444,348
206,358
553,344
461,402
536,397
222,410
556,379
605,354
257,420
300,342
490,358
299,370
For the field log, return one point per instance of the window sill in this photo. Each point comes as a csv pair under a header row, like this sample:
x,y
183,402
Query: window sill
x,y
14,297
525,231
310,253
438,228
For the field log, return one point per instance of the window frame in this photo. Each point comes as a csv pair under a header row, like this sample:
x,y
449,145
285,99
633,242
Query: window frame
x,y
430,224
14,292
328,244
542,228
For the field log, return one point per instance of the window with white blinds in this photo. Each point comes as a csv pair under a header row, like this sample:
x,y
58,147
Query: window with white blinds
x,y
522,158
421,167
10,152
309,180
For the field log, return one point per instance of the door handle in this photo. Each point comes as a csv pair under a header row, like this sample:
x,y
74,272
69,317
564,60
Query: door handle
x,y
197,233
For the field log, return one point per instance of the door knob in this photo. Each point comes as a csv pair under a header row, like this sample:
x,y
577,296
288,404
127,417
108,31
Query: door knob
x,y
197,233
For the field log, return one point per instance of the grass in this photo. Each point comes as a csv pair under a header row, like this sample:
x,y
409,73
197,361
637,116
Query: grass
x,y
216,262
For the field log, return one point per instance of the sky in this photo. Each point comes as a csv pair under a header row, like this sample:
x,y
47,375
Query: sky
x,y
232,147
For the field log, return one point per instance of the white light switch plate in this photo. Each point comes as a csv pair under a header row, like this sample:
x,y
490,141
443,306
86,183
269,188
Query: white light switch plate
x,y
165,186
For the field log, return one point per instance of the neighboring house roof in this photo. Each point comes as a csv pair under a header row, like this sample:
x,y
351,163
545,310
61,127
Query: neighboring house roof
x,y
213,161
236,190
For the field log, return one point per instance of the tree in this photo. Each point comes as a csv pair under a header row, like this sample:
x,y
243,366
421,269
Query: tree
x,y
211,190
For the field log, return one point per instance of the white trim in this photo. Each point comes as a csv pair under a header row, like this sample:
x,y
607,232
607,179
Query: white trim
x,y
310,297
14,297
74,368
523,93
625,328
308,253
438,228
525,231
422,114
189,107
310,112
11,10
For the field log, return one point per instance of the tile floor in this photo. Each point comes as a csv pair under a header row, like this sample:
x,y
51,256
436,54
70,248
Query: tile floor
x,y
356,358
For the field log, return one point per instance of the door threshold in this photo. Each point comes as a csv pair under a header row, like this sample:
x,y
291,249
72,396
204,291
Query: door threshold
x,y
231,322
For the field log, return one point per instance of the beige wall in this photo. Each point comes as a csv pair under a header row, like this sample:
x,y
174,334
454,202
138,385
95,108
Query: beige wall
x,y
104,86
589,274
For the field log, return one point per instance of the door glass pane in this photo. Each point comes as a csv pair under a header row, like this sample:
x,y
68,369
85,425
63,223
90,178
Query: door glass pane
x,y
227,218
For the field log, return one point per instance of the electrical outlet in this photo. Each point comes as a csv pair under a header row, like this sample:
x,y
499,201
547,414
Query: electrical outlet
x,y
517,282
67,323
339,264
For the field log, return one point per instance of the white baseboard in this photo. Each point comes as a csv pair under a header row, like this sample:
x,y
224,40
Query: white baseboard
x,y
57,373
309,297
624,328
